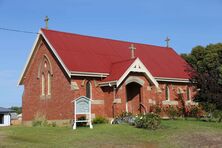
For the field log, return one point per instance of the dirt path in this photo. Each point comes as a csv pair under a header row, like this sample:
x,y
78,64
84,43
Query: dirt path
x,y
200,139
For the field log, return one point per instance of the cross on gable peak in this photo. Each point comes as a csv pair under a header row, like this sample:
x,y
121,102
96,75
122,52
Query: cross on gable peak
x,y
46,22
167,41
132,48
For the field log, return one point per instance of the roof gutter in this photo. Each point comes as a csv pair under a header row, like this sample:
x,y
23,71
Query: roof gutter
x,y
164,79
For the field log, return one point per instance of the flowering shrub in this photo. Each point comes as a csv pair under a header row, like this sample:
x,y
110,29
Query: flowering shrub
x,y
172,112
156,109
124,117
148,121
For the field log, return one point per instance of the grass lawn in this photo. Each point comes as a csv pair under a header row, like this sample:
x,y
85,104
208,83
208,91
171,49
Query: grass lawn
x,y
178,133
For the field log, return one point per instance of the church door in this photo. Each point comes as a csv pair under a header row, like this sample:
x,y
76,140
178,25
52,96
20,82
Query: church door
x,y
133,97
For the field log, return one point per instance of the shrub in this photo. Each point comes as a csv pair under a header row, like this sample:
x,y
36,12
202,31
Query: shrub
x,y
39,120
217,114
172,112
156,109
148,121
195,111
124,117
99,120
81,123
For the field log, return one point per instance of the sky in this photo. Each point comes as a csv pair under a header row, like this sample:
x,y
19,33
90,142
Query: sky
x,y
187,23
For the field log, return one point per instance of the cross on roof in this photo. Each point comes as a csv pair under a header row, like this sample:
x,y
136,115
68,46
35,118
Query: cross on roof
x,y
167,41
132,48
46,22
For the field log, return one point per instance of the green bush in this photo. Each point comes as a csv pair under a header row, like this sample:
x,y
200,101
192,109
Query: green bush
x,y
148,121
100,120
217,114
39,120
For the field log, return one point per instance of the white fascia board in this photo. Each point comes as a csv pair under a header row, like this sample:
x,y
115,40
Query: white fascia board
x,y
56,54
140,67
172,80
109,83
32,52
29,58
88,74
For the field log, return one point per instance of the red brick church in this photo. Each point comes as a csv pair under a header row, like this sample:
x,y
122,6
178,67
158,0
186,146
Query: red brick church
x,y
118,76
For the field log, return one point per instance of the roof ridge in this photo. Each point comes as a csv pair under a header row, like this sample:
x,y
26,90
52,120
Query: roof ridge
x,y
124,61
117,40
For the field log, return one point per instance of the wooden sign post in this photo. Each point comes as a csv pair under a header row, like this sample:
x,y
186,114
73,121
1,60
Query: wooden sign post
x,y
82,106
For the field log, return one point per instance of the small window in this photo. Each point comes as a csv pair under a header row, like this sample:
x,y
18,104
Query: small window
x,y
88,89
188,94
43,84
49,84
167,92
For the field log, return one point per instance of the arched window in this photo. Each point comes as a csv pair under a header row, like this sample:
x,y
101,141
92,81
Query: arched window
x,y
188,94
167,91
45,73
49,83
43,84
88,89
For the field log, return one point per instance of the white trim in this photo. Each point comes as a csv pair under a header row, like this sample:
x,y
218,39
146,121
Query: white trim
x,y
169,102
137,66
29,58
56,54
88,74
32,52
109,83
172,79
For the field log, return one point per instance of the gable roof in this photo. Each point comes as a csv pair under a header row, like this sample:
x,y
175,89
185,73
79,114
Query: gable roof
x,y
120,70
93,55
5,110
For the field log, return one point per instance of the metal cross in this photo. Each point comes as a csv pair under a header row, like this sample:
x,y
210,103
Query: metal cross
x,y
46,22
167,41
132,48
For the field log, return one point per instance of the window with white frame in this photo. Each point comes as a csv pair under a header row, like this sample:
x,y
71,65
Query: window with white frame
x,y
167,92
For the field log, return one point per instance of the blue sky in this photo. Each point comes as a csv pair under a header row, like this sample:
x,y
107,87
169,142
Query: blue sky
x,y
187,22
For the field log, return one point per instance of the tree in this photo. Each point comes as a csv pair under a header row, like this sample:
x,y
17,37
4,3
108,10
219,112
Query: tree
x,y
206,73
17,109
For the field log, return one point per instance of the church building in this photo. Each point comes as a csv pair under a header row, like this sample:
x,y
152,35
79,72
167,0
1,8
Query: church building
x,y
118,76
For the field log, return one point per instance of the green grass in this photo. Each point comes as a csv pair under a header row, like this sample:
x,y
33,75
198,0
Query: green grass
x,y
178,133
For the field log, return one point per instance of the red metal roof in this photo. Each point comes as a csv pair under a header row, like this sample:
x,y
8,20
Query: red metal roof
x,y
118,69
92,54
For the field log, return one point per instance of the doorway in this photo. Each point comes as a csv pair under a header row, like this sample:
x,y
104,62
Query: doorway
x,y
133,98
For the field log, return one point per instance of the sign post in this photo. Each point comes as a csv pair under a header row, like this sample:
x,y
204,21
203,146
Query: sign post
x,y
82,106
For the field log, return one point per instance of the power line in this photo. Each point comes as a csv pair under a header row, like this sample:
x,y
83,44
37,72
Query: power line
x,y
19,31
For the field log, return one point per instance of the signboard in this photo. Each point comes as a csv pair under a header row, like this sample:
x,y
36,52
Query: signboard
x,y
82,105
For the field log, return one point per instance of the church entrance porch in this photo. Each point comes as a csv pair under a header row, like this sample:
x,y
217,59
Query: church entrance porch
x,y
133,98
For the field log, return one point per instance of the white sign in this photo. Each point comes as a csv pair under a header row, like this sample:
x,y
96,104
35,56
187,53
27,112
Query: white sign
x,y
82,106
